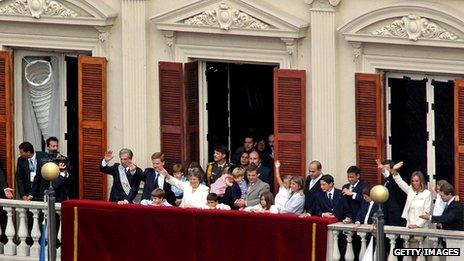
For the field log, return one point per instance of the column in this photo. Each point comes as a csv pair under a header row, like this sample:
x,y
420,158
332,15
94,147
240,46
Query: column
x,y
323,103
134,79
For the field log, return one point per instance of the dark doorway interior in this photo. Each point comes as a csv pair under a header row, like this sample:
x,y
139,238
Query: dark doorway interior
x,y
240,97
444,130
409,124
72,136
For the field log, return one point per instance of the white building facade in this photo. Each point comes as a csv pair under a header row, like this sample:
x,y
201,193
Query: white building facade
x,y
353,80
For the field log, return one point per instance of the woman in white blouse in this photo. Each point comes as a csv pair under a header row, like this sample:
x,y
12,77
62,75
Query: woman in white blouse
x,y
419,200
194,193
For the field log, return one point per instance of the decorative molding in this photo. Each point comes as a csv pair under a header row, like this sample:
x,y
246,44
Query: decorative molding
x,y
226,18
327,5
103,33
232,17
170,40
37,8
357,50
414,27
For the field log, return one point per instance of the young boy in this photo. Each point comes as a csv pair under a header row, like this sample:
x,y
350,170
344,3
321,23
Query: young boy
x,y
212,200
239,178
178,173
158,199
367,209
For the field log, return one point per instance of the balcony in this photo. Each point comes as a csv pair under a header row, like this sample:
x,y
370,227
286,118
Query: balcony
x,y
425,237
16,230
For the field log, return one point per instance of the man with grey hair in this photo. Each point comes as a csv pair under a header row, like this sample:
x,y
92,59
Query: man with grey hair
x,y
124,174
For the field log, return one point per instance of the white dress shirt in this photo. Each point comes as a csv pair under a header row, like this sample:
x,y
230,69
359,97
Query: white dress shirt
x,y
366,218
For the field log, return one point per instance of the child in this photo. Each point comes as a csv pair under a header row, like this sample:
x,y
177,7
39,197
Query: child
x,y
284,188
212,200
220,185
178,173
265,205
158,199
239,178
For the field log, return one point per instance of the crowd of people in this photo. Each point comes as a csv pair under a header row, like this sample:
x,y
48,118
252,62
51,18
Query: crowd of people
x,y
246,183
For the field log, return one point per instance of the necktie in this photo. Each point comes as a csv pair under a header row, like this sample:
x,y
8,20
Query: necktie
x,y
156,179
31,165
330,197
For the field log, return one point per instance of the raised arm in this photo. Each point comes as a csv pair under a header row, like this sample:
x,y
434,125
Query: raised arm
x,y
396,176
104,167
277,173
173,181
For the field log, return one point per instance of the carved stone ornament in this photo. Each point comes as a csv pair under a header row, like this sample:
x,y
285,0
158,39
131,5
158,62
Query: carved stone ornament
x,y
323,3
226,17
414,27
37,8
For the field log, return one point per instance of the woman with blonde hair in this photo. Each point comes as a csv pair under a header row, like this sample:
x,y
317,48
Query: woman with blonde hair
x,y
419,199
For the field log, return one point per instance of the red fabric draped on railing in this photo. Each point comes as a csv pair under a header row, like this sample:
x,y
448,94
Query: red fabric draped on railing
x,y
93,230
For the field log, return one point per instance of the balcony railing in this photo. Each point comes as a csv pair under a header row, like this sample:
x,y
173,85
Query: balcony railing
x,y
17,230
431,238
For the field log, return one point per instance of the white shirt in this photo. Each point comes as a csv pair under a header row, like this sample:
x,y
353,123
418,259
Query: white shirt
x,y
331,192
196,199
351,189
258,208
160,179
366,218
32,160
439,206
282,197
314,181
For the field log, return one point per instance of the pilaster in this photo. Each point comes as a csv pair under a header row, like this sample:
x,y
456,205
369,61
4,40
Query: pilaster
x,y
134,80
323,83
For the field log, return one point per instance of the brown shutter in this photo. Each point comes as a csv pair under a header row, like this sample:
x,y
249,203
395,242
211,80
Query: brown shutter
x,y
370,125
459,137
92,127
193,131
173,113
289,121
6,113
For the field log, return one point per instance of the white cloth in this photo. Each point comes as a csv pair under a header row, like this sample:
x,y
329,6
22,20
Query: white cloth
x,y
219,206
258,208
416,204
148,202
196,199
439,206
369,254
366,218
282,197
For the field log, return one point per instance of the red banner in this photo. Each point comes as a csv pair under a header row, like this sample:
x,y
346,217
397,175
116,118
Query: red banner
x,y
93,230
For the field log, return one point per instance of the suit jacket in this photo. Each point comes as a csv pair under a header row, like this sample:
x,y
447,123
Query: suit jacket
x,y
338,206
255,191
354,204
117,191
3,184
23,176
310,194
265,174
148,177
452,217
395,203
363,212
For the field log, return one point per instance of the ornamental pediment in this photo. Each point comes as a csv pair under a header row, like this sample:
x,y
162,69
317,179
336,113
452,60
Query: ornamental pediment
x,y
236,17
76,12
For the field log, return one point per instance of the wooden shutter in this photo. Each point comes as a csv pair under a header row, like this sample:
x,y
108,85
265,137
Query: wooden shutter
x,y
6,113
92,126
290,121
459,137
193,130
370,125
173,113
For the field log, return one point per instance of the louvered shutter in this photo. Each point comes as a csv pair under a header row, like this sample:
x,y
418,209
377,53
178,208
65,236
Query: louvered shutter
x,y
370,125
191,91
459,137
6,105
92,126
289,121
173,113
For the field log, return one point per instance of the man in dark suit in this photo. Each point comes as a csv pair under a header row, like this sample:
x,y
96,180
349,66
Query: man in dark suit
x,y
397,198
265,173
312,184
249,143
124,174
28,176
452,217
153,179
329,201
256,188
367,209
352,192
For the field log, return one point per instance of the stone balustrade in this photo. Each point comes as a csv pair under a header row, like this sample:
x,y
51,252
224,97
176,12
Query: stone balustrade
x,y
16,231
423,237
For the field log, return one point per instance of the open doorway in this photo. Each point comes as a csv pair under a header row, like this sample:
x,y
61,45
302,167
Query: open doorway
x,y
240,102
421,127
